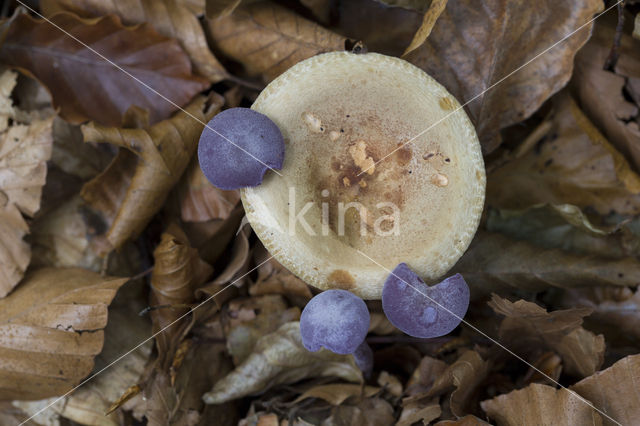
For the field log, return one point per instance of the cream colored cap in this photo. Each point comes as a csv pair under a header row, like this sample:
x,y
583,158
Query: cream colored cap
x,y
340,113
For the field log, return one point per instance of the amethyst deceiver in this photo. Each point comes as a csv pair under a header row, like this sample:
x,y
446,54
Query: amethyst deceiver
x,y
229,158
421,310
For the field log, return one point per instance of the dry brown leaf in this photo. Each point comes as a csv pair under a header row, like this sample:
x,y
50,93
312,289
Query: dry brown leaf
x,y
199,200
419,411
616,312
540,405
636,27
25,147
280,358
615,390
474,45
464,376
169,17
51,328
86,87
424,375
529,328
600,92
575,165
390,383
177,272
464,421
251,319
150,162
11,415
495,262
268,39
367,412
428,21
337,393
220,8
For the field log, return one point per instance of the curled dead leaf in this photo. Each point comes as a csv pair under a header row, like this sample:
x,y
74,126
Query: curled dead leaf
x,y
171,18
177,272
540,405
220,8
463,421
278,358
494,262
574,165
51,328
25,147
268,39
428,21
474,45
150,162
615,390
529,328
336,394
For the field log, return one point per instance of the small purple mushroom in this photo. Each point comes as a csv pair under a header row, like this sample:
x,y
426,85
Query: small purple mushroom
x,y
241,147
421,310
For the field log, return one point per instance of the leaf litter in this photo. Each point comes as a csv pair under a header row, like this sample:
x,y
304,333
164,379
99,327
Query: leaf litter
x,y
99,183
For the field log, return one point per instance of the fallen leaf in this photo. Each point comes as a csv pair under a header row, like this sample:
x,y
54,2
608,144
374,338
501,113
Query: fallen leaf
x,y
150,162
86,87
529,328
336,394
463,421
465,376
367,412
170,18
424,375
390,383
419,411
279,358
177,272
494,262
220,8
11,415
251,319
267,39
321,9
436,7
600,92
636,27
199,200
540,405
615,311
25,147
475,45
381,325
615,390
575,165
51,328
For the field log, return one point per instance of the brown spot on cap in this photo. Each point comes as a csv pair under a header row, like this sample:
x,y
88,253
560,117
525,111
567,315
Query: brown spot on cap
x,y
342,279
447,103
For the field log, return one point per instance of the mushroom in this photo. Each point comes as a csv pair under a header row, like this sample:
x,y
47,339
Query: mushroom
x,y
362,180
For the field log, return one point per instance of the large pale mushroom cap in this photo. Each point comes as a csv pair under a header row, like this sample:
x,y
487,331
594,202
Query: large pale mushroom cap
x,y
339,114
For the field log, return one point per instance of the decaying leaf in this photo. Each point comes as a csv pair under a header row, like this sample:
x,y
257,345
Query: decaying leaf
x,y
251,319
615,390
463,421
86,87
279,358
336,394
529,328
177,272
428,21
419,411
170,18
150,162
424,375
51,328
367,412
494,262
574,165
25,147
475,45
601,92
268,39
220,8
199,200
540,405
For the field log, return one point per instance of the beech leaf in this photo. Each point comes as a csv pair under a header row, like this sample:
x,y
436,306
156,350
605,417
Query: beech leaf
x,y
86,87
268,39
171,18
150,162
530,328
220,8
575,165
615,390
540,405
337,393
278,358
473,45
51,328
25,147
494,262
